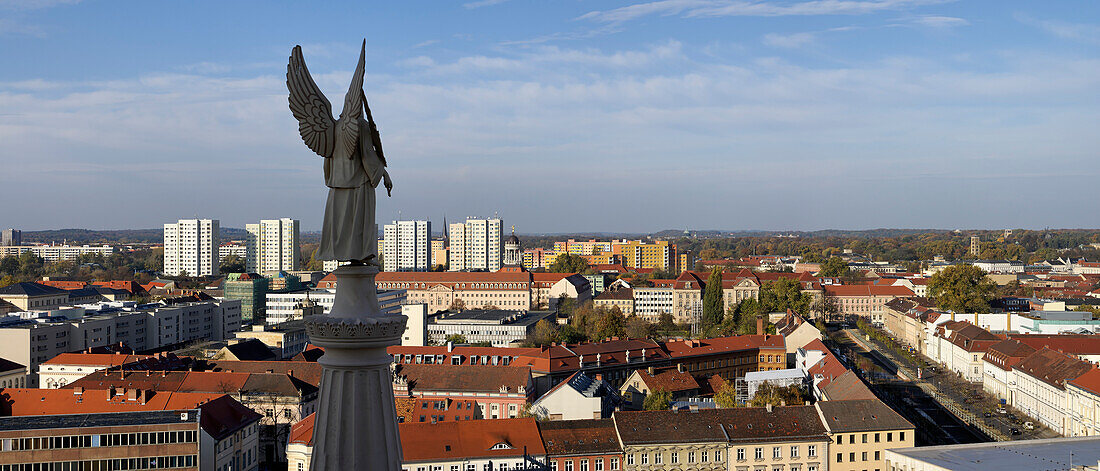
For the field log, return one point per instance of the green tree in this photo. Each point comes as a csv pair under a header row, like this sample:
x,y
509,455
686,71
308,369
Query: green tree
x,y
456,339
834,267
726,396
783,294
232,264
568,263
611,324
961,288
638,328
712,299
657,399
9,265
543,334
458,305
665,322
6,281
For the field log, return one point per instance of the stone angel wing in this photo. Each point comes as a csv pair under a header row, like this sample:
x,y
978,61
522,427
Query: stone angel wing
x,y
347,128
310,107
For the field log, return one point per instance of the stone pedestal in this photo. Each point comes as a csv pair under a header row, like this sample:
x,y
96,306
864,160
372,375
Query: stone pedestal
x,y
356,425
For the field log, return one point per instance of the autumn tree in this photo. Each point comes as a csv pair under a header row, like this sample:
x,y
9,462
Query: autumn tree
x,y
657,399
834,267
611,324
568,263
543,334
638,328
665,322
232,264
726,395
458,305
783,294
768,393
961,288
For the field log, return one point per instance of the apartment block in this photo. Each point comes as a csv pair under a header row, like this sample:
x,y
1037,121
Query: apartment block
x,y
407,246
272,245
476,245
191,247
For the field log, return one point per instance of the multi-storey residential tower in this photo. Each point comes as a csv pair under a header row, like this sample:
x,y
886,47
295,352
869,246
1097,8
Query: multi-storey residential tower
x,y
407,246
191,247
11,237
273,245
476,245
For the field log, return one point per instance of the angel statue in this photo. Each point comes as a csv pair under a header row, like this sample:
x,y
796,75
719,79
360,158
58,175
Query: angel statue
x,y
354,163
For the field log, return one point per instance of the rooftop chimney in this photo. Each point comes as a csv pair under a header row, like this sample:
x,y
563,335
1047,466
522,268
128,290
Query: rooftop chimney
x,y
768,407
680,367
759,324
650,370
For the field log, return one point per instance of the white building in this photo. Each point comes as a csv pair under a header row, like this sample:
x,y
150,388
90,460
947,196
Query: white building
x,y
651,302
54,253
272,245
498,327
579,397
225,250
282,306
407,246
31,341
1021,455
191,247
476,245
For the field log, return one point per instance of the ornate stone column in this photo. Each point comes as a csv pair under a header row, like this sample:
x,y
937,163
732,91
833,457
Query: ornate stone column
x,y
356,425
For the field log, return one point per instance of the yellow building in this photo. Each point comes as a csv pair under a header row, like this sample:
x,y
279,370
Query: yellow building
x,y
861,431
639,254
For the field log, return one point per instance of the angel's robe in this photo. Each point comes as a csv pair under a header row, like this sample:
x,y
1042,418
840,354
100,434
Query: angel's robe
x,y
349,231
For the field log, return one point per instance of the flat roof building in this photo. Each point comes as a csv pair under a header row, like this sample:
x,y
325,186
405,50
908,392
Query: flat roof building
x,y
1023,455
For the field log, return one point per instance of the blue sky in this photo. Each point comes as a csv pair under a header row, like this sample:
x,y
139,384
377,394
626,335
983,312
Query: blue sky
x,y
563,115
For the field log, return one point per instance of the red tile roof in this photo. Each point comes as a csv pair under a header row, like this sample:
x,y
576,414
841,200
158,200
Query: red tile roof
x,y
670,379
302,432
867,290
1090,381
1053,368
1068,343
470,439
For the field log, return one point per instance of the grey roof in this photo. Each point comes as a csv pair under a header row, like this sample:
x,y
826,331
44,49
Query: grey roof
x,y
1022,455
41,422
491,316
27,288
861,415
8,365
251,349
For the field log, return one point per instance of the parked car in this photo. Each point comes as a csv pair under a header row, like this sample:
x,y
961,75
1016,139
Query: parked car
x,y
987,415
1001,410
1029,425
1015,431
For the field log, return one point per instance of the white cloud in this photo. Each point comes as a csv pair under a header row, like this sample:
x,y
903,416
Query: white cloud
x,y
1088,33
714,8
789,41
482,3
934,21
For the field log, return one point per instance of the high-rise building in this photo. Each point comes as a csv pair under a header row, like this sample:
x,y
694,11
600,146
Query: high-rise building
x,y
407,246
439,252
191,247
476,245
638,254
10,237
272,245
975,246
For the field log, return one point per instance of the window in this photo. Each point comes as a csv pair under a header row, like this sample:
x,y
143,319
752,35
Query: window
x,y
811,451
645,458
759,453
599,464
740,454
615,464
901,436
777,453
851,457
840,439
630,459
840,457
703,457
569,465
876,437
889,436
584,465
717,456
691,456
865,438
811,467
877,455
673,458
657,457
553,465
794,451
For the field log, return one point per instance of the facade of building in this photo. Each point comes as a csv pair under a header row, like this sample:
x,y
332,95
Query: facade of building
x,y
56,253
578,397
652,301
498,327
234,249
476,244
861,431
639,254
283,307
11,237
440,393
272,245
577,445
285,339
141,328
408,246
191,247
251,289
866,301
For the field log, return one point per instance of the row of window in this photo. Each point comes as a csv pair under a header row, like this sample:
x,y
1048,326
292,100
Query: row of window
x,y
87,441
157,462
852,457
865,437
583,464
777,452
674,457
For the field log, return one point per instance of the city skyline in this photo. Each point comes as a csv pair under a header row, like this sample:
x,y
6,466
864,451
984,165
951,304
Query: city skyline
x,y
791,115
